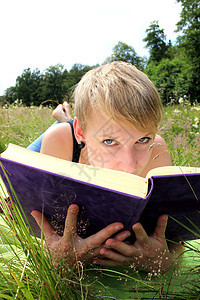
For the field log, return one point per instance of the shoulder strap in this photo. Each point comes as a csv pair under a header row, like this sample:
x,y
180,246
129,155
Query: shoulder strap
x,y
76,149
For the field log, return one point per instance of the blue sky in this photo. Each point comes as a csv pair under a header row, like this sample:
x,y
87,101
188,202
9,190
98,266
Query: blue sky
x,y
40,33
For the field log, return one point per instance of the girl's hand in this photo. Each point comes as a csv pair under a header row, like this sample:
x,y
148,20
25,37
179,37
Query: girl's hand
x,y
70,247
149,253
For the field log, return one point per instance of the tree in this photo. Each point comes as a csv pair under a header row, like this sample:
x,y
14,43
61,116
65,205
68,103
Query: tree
x,y
170,77
54,83
124,52
28,87
155,40
9,95
189,25
76,73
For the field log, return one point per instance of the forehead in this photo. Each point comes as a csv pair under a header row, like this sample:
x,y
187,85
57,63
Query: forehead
x,y
101,126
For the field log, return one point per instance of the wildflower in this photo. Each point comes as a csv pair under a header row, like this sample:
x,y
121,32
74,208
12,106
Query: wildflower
x,y
196,108
181,100
176,111
196,123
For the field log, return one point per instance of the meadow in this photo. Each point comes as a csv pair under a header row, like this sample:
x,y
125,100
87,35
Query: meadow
x,y
26,273
180,128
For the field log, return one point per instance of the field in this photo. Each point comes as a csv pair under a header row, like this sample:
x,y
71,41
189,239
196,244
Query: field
x,y
180,128
26,273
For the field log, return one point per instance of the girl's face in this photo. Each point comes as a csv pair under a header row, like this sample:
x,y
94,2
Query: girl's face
x,y
115,146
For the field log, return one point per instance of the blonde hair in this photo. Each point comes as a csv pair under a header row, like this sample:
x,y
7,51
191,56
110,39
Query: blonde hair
x,y
122,93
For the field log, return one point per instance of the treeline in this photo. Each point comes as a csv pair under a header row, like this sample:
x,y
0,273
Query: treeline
x,y
174,69
34,87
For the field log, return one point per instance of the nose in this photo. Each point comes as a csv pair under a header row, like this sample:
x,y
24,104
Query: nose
x,y
128,161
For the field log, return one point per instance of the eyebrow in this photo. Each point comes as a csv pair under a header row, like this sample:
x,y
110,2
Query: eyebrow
x,y
148,134
113,134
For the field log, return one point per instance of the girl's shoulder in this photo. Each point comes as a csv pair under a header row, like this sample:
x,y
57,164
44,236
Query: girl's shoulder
x,y
57,141
160,155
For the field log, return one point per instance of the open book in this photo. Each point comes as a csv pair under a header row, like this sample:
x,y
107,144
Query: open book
x,y
104,196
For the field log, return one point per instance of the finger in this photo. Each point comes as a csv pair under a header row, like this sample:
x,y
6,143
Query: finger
x,y
100,237
121,247
114,256
71,222
140,233
161,227
96,251
91,254
91,246
122,235
41,220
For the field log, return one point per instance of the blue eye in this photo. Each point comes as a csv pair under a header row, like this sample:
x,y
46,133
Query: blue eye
x,y
109,142
144,140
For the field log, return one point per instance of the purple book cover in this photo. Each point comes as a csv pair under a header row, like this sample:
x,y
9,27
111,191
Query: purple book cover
x,y
52,193
178,196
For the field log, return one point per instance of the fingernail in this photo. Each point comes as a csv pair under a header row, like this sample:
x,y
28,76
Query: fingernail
x,y
119,227
108,242
73,208
139,226
32,213
128,233
102,251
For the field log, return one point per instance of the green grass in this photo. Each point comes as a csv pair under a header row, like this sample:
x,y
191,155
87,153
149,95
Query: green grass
x,y
26,273
180,128
22,125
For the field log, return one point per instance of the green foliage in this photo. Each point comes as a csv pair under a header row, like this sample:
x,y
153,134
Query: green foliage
x,y
74,76
28,87
124,52
155,41
10,95
189,25
179,74
54,85
170,76
189,15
